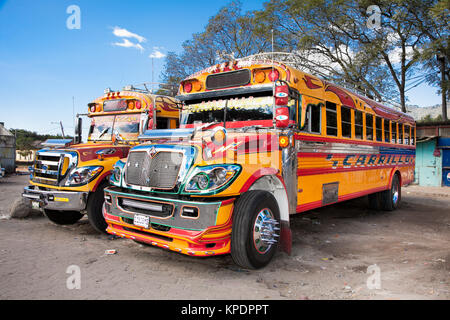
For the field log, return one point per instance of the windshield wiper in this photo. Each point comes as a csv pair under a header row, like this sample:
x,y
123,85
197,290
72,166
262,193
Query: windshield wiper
x,y
256,127
103,132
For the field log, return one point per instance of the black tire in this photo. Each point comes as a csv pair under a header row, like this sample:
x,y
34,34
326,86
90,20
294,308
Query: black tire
x,y
390,199
243,245
375,201
63,217
94,209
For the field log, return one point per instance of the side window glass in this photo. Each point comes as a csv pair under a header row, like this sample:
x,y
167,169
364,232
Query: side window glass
x,y
346,122
386,130
358,124
394,132
379,130
313,118
369,127
331,115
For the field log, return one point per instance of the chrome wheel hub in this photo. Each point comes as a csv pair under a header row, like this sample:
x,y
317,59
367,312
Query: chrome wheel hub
x,y
395,195
265,231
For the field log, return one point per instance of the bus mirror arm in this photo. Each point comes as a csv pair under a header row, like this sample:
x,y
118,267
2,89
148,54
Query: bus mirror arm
x,y
78,129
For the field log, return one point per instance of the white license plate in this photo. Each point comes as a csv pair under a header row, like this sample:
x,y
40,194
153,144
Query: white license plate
x,y
35,205
141,221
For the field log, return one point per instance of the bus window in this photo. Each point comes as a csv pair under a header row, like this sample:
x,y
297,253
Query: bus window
x,y
162,123
407,134
331,115
358,124
313,121
369,127
346,122
400,133
394,132
378,129
413,136
387,130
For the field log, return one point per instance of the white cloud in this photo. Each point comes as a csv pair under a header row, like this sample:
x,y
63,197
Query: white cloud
x,y
128,44
157,54
124,33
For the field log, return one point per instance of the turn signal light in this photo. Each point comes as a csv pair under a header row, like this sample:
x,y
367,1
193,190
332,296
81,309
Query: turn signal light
x,y
131,104
284,141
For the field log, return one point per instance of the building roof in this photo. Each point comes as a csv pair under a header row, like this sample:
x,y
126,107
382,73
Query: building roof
x,y
4,131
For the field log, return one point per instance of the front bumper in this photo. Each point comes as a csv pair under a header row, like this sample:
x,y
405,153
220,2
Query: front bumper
x,y
57,200
207,234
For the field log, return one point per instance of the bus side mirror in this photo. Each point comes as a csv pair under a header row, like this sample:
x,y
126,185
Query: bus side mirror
x,y
150,124
281,95
78,130
282,117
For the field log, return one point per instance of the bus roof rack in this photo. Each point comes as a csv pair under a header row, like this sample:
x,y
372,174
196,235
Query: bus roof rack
x,y
148,87
295,60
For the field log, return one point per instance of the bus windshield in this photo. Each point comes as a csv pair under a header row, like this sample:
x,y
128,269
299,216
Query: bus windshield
x,y
237,109
102,127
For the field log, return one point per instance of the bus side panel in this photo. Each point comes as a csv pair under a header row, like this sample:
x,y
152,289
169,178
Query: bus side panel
x,y
320,175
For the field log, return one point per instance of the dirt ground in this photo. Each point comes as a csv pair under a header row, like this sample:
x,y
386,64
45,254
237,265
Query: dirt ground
x,y
332,250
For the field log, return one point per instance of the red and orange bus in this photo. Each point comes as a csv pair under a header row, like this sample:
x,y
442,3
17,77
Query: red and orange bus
x,y
258,142
67,179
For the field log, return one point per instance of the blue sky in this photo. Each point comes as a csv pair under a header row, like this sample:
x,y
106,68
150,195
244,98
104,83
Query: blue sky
x,y
43,64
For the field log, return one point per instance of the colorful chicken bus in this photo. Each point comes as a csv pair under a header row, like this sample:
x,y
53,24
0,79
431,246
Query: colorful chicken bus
x,y
258,142
67,178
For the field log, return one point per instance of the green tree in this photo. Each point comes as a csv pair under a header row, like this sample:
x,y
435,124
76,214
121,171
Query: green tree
x,y
230,34
334,38
431,17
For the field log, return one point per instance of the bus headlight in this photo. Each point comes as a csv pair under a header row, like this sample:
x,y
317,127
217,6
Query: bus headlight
x,y
116,175
83,175
211,178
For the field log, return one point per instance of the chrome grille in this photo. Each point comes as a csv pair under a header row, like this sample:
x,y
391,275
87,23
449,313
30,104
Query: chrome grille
x,y
47,166
160,171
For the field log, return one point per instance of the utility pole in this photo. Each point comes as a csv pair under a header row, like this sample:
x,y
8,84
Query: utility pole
x,y
441,58
73,111
153,80
62,128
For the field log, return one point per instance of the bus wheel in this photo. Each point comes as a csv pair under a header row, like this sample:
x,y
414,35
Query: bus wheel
x,y
94,209
390,199
62,217
256,229
375,201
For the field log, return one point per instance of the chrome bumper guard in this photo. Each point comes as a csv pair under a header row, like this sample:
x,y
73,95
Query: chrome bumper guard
x,y
57,200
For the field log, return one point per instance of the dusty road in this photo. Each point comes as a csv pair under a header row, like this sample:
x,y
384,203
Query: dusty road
x,y
332,250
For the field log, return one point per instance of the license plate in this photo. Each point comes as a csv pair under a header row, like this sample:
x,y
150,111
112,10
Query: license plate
x,y
35,205
141,221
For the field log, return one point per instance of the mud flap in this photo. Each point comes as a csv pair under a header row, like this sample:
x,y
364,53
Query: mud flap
x,y
286,237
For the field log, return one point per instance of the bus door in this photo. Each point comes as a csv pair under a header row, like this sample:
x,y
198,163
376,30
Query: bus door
x,y
310,149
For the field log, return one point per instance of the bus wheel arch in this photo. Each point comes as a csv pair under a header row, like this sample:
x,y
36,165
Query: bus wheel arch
x,y
275,185
95,205
391,198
